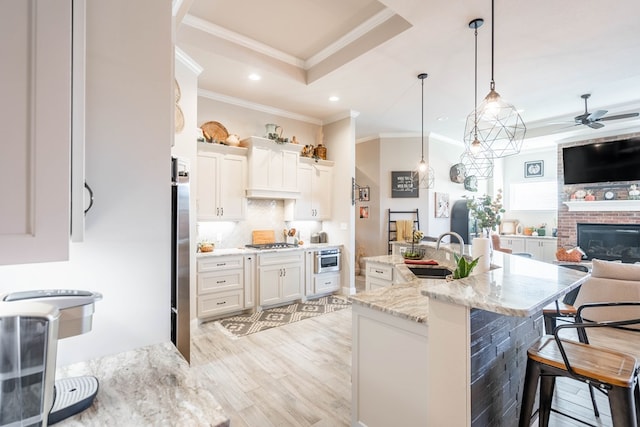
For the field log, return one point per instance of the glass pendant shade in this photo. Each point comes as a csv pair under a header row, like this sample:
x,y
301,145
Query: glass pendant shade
x,y
478,165
500,128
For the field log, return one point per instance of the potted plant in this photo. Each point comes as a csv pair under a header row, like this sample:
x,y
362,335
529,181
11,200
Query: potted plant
x,y
487,212
464,267
415,252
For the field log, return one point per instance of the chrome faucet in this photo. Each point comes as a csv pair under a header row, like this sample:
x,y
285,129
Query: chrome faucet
x,y
454,234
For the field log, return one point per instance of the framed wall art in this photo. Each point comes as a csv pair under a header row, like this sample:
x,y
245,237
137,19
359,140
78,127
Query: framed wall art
x,y
534,169
404,184
442,205
363,194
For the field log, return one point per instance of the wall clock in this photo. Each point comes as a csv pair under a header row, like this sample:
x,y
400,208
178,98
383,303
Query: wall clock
x,y
609,195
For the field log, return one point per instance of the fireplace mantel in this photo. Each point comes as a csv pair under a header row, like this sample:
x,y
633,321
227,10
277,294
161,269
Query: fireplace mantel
x,y
604,205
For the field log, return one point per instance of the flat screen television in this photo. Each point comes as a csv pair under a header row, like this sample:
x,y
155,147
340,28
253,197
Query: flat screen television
x,y
602,162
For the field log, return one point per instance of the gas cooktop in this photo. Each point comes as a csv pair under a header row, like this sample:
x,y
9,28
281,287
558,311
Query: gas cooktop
x,y
277,245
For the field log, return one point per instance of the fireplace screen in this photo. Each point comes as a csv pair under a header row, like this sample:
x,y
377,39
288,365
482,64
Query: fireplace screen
x,y
612,242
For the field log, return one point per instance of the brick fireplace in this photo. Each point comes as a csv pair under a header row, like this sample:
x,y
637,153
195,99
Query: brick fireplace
x,y
618,211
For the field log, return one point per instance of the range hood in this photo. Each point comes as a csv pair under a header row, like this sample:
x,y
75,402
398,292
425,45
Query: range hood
x,y
273,169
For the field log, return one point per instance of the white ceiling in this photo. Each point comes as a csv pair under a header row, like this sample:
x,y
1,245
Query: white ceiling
x,y
369,53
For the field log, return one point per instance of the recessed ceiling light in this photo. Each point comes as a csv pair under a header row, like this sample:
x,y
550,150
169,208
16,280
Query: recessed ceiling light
x,y
255,77
334,98
443,119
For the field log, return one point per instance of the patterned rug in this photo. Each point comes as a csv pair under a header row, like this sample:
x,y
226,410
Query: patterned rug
x,y
239,326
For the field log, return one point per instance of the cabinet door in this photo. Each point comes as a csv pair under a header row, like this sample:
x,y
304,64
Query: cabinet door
x,y
535,248
514,243
292,281
231,187
35,41
207,205
260,168
303,206
549,249
289,170
269,282
321,182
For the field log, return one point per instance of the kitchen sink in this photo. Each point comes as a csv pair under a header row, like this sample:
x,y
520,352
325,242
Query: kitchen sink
x,y
430,271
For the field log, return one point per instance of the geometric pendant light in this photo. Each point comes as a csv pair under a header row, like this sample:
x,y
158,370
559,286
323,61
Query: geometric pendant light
x,y
478,165
500,128
471,142
424,175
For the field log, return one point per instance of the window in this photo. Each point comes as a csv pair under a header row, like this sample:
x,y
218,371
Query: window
x,y
536,196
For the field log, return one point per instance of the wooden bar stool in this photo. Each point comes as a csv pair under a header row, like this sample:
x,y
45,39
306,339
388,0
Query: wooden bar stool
x,y
613,372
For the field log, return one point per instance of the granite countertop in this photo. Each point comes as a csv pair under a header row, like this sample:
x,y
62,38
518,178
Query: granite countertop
x,y
247,251
515,286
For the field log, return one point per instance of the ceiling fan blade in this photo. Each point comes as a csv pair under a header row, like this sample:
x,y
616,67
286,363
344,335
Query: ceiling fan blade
x,y
581,117
620,116
595,125
596,115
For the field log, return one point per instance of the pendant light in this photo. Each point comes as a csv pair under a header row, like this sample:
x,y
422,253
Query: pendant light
x,y
425,174
499,126
475,159
471,142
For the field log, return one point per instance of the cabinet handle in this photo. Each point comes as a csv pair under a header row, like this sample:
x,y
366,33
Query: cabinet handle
x,y
221,281
222,211
327,283
284,270
221,264
379,271
221,303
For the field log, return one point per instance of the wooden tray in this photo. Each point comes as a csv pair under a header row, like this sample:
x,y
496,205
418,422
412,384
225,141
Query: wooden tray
x,y
259,237
214,132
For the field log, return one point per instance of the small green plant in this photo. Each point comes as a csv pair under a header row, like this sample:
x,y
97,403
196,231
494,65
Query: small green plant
x,y
463,267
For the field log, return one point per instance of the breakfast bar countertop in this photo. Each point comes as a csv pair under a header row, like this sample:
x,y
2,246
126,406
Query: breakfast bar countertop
x,y
515,286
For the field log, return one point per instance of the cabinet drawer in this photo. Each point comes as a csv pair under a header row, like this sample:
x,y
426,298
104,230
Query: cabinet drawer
x,y
380,271
219,263
372,284
219,303
326,283
219,281
280,258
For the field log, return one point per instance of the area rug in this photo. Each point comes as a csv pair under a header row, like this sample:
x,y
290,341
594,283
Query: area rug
x,y
239,326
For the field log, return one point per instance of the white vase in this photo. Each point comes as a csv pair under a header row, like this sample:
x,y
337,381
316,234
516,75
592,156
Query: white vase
x,y
481,248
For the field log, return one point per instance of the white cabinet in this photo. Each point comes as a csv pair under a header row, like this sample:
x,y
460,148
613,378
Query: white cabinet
x,y
315,182
280,277
273,169
318,284
221,184
35,41
378,275
516,244
220,285
542,249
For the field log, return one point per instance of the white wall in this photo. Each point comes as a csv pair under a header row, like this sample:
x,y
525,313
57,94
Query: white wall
x,y
129,119
369,230
185,148
513,172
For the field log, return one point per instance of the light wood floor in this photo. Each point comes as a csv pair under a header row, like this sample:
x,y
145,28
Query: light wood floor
x,y
300,375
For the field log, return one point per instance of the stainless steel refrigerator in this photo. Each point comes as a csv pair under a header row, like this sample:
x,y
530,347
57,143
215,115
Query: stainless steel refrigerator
x,y
180,330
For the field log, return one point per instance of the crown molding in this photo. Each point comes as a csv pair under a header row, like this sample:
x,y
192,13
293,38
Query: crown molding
x,y
223,33
353,35
188,61
257,107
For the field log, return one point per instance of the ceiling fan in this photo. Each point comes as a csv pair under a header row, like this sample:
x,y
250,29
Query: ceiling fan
x,y
593,119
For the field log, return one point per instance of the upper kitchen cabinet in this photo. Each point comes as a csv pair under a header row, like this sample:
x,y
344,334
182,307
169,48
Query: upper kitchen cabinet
x,y
315,180
221,173
273,169
35,45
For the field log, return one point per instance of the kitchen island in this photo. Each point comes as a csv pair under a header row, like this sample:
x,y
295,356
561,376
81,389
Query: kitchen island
x,y
432,352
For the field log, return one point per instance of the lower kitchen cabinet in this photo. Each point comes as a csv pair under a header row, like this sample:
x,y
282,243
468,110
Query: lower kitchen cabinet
x,y
280,277
321,283
540,248
378,275
220,285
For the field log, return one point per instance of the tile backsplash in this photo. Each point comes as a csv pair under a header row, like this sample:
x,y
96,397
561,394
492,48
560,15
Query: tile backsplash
x,y
262,214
